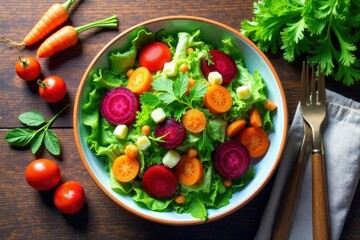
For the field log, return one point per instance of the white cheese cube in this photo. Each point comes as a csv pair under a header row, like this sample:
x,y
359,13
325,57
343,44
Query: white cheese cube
x,y
170,69
158,115
143,143
243,92
215,78
171,158
121,131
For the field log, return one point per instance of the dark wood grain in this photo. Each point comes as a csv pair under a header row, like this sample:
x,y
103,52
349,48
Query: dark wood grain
x,y
27,214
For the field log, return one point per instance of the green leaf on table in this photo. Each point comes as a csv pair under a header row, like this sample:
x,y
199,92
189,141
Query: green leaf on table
x,y
20,136
37,141
32,119
52,142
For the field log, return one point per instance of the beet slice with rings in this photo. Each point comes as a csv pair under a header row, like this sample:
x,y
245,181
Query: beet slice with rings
x,y
172,133
222,63
232,159
160,182
119,106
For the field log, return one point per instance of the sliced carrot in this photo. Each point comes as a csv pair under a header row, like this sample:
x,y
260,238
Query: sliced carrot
x,y
255,118
256,140
140,80
56,15
217,99
125,168
131,150
269,105
235,127
194,120
189,170
68,36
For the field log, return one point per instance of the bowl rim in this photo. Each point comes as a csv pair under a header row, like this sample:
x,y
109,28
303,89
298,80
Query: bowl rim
x,y
77,108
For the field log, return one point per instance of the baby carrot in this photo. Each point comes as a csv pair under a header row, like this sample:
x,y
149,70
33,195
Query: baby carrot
x,y
56,15
68,36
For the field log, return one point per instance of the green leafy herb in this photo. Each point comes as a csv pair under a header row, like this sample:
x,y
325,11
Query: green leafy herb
x,y
326,32
37,133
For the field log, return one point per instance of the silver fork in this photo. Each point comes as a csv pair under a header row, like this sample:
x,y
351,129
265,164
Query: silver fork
x,y
313,109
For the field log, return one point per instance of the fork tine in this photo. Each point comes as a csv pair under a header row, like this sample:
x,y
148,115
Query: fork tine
x,y
304,77
313,86
321,87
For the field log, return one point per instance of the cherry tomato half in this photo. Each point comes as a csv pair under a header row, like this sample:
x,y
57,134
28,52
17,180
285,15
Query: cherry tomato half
x,y
69,197
154,55
52,89
42,174
28,68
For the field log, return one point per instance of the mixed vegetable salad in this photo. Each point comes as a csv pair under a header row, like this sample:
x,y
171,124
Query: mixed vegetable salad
x,y
177,121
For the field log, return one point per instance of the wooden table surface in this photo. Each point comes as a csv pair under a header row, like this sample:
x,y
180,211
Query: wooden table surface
x,y
28,214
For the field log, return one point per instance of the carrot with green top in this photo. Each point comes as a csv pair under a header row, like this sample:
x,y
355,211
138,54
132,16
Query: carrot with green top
x,y
68,36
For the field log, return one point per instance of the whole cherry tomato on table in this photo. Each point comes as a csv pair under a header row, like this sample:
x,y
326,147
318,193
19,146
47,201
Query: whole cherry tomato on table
x,y
42,174
52,89
69,197
154,55
28,68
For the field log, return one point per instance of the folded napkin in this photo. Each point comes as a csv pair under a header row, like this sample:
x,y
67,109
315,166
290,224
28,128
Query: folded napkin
x,y
341,137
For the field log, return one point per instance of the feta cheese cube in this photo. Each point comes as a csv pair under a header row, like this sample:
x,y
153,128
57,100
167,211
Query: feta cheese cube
x,y
158,115
171,158
121,131
143,143
243,92
215,78
170,69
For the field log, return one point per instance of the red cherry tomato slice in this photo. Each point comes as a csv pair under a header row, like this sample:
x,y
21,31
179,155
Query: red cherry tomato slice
x,y
154,55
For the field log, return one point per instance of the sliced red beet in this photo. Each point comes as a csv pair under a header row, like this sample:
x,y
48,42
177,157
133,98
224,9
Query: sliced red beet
x,y
160,182
222,63
172,131
119,106
232,159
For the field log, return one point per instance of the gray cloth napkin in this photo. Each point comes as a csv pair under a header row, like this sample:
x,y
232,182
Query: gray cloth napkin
x,y
341,137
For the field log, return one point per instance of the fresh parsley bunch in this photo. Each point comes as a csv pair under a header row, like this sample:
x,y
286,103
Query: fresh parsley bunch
x,y
325,31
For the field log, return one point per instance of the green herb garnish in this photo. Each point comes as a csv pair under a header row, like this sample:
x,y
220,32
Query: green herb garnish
x,y
38,132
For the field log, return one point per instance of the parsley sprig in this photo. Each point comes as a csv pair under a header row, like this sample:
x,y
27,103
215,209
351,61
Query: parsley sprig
x,y
172,94
36,133
325,31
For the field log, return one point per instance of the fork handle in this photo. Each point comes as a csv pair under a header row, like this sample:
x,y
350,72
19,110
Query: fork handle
x,y
287,204
319,198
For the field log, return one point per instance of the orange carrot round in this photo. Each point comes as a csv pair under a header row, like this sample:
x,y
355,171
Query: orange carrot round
x,y
194,120
68,36
56,15
140,80
125,168
235,127
189,170
256,141
217,99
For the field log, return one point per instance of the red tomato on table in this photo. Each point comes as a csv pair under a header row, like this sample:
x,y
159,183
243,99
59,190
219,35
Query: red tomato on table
x,y
28,68
52,89
69,197
42,174
154,55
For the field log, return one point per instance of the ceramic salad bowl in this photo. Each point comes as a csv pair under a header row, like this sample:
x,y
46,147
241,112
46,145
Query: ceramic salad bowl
x,y
211,33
